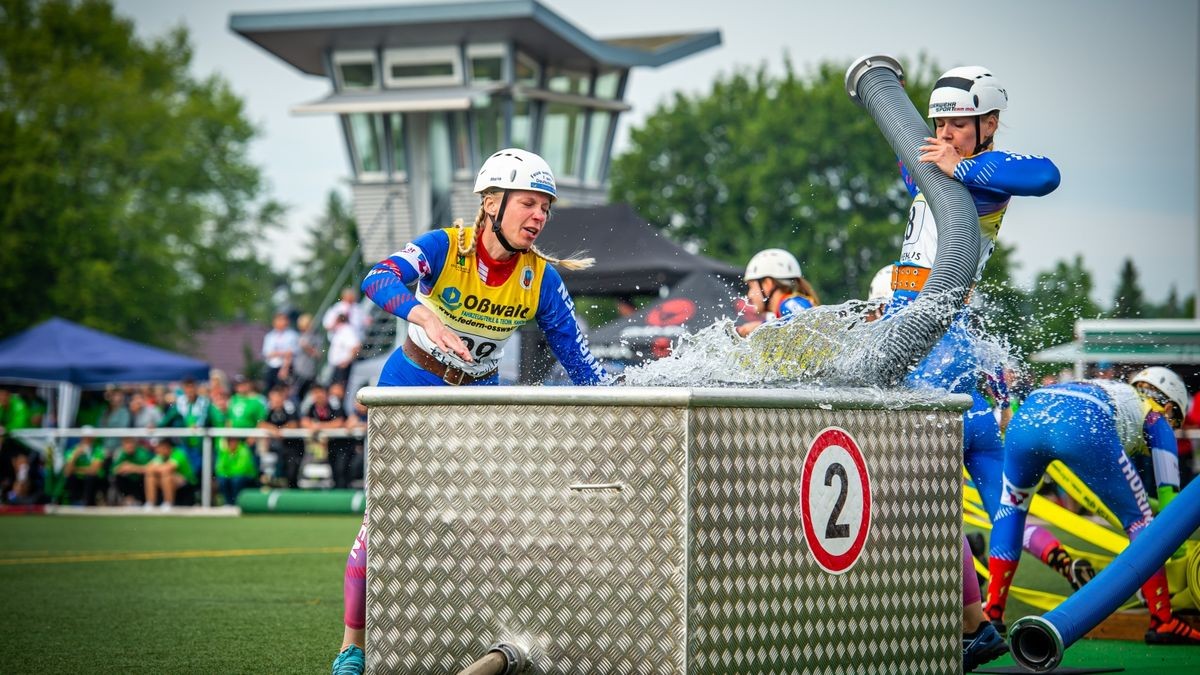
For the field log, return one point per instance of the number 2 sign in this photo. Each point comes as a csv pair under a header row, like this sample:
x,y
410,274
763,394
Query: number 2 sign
x,y
835,500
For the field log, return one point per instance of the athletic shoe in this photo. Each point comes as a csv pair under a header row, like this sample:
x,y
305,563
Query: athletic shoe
x,y
351,661
1173,632
982,646
1081,573
999,626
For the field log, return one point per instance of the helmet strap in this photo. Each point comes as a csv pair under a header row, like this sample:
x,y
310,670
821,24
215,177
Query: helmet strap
x,y
496,220
980,143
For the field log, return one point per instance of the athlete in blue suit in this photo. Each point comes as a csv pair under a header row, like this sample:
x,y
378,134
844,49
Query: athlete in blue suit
x,y
1093,427
777,287
465,291
965,106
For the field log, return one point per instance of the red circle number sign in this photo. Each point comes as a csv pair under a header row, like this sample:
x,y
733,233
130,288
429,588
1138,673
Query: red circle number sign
x,y
835,500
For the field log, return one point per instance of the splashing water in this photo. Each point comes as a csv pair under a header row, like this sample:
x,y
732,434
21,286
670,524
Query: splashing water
x,y
823,347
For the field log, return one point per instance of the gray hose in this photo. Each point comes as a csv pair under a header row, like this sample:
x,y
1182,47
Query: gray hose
x,y
874,83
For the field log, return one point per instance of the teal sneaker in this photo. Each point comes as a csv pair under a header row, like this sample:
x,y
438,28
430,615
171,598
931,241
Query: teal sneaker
x,y
982,646
351,661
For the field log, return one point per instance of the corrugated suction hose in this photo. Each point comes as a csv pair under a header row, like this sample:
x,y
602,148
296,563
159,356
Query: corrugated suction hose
x,y
875,83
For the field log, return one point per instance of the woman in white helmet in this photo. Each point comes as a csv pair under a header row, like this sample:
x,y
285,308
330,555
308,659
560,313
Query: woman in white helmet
x,y
1093,427
776,286
965,107
465,291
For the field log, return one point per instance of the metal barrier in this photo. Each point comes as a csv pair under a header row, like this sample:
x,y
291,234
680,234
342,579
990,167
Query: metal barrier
x,y
41,438
626,530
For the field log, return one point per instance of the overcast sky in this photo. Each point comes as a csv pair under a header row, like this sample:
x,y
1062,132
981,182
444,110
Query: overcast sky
x,y
1106,89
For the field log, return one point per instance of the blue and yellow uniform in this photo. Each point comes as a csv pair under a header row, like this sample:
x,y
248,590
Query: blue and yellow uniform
x,y
484,304
992,178
1093,427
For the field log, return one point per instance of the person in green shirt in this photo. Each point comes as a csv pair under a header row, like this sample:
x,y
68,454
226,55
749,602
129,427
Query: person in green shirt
x,y
247,407
129,469
169,472
14,456
85,470
236,469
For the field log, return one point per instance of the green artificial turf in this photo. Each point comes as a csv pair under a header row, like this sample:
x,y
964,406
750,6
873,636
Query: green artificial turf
x,y
1135,657
254,594
268,612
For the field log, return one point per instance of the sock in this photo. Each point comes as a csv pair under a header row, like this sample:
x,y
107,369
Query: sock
x,y
1040,542
1002,572
1158,598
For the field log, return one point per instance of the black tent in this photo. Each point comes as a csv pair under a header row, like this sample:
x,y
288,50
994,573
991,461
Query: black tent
x,y
695,302
632,257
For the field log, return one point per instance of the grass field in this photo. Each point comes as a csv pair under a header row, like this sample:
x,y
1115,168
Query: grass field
x,y
254,594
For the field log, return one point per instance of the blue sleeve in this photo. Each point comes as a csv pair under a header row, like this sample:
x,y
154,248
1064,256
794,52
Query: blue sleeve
x,y
391,283
1009,173
794,305
1164,449
556,317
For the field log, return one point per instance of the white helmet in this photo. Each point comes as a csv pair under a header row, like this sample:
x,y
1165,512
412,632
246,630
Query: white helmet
x,y
516,169
775,263
1166,381
968,90
881,285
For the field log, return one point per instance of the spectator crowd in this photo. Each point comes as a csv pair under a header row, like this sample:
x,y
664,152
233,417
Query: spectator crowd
x,y
161,470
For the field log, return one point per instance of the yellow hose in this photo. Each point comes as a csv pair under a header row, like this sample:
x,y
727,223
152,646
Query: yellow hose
x,y
1081,493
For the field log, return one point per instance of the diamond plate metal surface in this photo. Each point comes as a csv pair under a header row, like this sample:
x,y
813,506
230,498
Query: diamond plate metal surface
x,y
698,564
476,537
757,600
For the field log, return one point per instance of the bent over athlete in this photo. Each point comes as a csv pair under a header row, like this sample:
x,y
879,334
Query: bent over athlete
x,y
1093,427
465,291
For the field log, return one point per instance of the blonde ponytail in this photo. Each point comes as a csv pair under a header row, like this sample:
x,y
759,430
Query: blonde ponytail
x,y
573,263
464,244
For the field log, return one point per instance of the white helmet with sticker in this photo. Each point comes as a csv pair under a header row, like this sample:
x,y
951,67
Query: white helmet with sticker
x,y
1166,381
516,169
968,90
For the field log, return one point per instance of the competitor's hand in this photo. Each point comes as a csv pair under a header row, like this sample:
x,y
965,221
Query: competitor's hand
x,y
443,338
941,153
448,341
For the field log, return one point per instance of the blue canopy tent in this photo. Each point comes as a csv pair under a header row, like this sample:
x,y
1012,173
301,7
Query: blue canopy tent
x,y
63,353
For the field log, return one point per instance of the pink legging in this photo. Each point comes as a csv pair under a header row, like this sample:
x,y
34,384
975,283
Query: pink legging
x,y
971,593
355,587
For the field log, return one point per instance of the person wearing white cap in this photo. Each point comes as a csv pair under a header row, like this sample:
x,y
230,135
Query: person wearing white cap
x,y
965,107
777,287
465,291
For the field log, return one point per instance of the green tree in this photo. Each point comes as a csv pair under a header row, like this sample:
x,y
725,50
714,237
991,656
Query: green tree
x,y
332,241
1128,300
127,198
774,161
1059,298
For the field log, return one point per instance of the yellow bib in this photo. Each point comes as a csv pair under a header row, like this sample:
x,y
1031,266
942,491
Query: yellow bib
x,y
485,317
